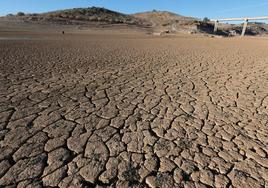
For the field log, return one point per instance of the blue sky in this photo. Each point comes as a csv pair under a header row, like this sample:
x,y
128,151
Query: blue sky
x,y
195,8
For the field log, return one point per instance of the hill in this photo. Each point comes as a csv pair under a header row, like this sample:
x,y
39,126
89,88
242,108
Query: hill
x,y
167,21
161,22
82,16
163,17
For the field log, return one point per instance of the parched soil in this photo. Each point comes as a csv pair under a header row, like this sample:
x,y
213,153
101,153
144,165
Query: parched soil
x,y
110,110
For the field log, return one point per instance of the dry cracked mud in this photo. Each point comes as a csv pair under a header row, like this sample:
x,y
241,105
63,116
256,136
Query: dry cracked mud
x,y
110,110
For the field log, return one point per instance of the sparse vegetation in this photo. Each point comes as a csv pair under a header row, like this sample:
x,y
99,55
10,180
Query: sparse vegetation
x,y
20,14
164,179
33,14
92,14
131,174
206,19
154,19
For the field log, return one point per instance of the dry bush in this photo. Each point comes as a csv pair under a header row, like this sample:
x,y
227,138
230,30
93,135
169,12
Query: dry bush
x,y
20,14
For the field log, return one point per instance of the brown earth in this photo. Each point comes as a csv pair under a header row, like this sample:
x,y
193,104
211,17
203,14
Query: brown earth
x,y
153,22
108,109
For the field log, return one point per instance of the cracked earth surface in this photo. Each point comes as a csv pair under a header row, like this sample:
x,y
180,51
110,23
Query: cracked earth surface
x,y
133,111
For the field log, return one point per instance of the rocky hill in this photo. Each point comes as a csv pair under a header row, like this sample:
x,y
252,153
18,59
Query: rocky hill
x,y
82,16
163,18
155,21
167,21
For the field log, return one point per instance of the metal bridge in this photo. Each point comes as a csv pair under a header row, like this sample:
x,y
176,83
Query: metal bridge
x,y
238,19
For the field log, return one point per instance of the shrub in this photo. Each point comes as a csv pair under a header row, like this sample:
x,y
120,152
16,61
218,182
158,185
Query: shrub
x,y
206,20
20,14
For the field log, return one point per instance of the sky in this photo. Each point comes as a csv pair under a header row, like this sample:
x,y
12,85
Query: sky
x,y
195,8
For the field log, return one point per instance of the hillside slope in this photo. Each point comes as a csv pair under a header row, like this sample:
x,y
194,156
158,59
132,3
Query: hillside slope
x,y
164,20
162,17
83,16
151,21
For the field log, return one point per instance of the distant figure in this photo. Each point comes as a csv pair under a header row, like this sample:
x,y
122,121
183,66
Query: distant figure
x,y
63,32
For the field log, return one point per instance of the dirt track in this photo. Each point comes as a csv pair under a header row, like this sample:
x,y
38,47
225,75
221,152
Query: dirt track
x,y
133,110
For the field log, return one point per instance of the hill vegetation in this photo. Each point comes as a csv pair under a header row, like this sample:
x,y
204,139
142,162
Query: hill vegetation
x,y
91,14
156,21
